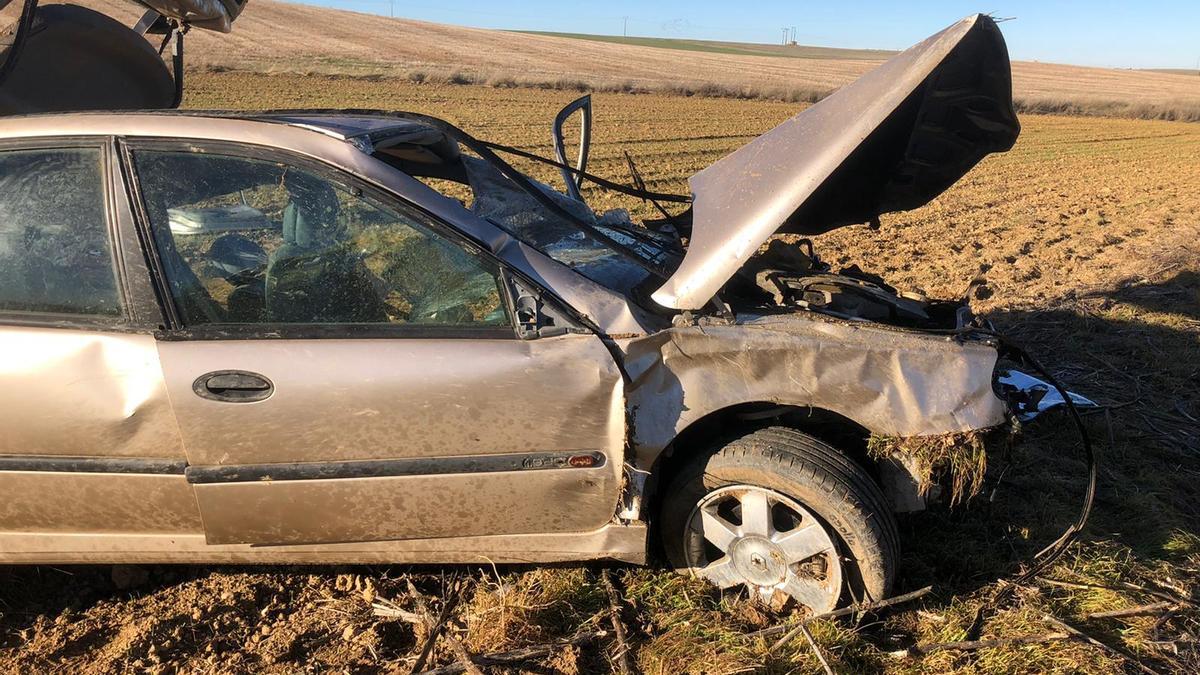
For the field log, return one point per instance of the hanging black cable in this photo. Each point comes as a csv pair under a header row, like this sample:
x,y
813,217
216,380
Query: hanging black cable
x,y
604,183
1049,555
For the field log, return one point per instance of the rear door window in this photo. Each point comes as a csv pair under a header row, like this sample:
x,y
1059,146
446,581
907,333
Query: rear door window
x,y
55,252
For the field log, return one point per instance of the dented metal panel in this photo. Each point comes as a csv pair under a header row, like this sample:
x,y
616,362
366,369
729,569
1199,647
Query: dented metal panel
x,y
81,393
890,141
891,382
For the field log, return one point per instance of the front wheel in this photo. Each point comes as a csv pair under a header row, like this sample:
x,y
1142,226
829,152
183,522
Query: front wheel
x,y
784,515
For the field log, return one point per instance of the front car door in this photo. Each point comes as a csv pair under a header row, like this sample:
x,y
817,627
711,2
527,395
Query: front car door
x,y
345,368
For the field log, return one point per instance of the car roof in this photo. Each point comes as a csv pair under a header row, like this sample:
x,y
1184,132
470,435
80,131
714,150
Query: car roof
x,y
342,125
345,126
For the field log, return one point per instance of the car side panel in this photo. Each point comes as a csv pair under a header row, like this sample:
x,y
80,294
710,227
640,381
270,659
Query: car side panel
x,y
455,403
87,432
96,503
409,507
83,394
624,542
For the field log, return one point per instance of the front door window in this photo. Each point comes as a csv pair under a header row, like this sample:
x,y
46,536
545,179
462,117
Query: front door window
x,y
251,241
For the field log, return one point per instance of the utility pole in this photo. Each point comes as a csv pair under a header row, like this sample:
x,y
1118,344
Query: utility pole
x,y
392,8
625,30
785,36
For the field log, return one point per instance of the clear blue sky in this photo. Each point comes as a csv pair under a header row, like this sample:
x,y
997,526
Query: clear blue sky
x,y
1147,34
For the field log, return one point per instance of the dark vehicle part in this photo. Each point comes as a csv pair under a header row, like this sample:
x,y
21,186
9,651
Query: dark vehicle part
x,y
233,386
236,257
215,15
793,276
785,514
60,58
574,180
68,58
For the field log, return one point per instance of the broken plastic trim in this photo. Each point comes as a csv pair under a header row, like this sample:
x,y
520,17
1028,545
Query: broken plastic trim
x,y
1032,396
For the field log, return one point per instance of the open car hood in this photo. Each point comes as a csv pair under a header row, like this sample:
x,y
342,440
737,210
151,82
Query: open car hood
x,y
891,141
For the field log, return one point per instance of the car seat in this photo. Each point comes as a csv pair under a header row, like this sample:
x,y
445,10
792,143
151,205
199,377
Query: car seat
x,y
242,263
315,276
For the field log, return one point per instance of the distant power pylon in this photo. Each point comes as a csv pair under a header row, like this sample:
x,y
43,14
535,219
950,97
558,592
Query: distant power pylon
x,y
625,30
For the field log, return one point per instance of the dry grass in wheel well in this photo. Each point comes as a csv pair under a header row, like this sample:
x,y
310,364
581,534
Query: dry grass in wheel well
x,y
961,459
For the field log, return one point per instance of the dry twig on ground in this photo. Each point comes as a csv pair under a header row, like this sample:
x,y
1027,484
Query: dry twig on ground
x,y
519,656
1123,586
1114,651
614,610
792,633
816,650
1141,610
975,645
436,628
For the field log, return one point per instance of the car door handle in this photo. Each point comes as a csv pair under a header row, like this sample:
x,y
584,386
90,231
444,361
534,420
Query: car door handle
x,y
233,386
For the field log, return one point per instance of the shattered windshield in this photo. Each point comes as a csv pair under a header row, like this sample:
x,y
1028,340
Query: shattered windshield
x,y
502,202
608,248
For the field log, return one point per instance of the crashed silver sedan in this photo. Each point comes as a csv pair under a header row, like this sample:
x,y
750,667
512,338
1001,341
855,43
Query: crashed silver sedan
x,y
361,337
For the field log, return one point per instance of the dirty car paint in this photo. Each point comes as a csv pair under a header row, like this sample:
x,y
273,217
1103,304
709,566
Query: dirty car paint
x,y
892,382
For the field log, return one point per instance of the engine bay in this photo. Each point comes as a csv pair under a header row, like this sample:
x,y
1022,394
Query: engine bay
x,y
791,276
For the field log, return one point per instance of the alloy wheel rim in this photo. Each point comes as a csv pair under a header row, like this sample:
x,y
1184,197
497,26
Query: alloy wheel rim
x,y
749,536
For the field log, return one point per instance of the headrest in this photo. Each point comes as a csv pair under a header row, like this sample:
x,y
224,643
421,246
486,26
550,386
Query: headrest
x,y
74,59
314,208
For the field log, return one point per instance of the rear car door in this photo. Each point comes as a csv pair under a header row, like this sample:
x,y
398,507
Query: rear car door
x,y
345,368
88,441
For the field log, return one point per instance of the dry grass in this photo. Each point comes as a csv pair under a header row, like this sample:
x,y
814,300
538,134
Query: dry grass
x,y
959,460
1171,111
1088,231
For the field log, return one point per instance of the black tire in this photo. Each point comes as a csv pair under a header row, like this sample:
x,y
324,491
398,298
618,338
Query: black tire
x,y
827,482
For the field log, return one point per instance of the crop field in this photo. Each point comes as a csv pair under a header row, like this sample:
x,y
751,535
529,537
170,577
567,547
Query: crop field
x,y
283,37
1088,233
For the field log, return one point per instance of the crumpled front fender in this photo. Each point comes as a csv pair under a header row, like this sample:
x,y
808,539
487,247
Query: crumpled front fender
x,y
891,382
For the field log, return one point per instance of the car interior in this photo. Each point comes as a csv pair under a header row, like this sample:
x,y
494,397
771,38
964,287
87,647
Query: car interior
x,y
250,241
